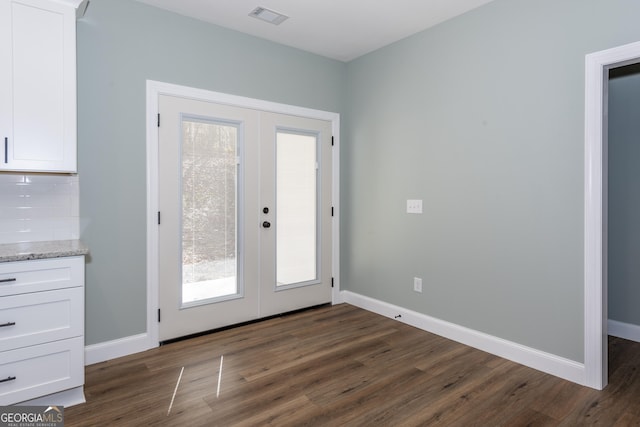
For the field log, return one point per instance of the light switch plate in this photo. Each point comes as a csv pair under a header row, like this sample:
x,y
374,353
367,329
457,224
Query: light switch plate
x,y
414,206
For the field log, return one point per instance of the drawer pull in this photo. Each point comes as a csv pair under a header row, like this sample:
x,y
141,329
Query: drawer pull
x,y
7,280
4,325
7,379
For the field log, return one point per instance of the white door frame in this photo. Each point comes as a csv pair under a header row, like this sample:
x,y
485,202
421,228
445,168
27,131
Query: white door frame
x,y
595,208
154,90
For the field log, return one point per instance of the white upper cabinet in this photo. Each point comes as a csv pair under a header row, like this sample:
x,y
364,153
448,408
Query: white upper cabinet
x,y
37,86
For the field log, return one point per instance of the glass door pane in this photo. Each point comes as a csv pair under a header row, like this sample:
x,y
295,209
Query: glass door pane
x,y
209,210
297,212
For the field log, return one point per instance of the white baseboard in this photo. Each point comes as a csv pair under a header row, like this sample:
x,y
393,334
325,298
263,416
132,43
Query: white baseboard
x,y
536,359
101,352
627,331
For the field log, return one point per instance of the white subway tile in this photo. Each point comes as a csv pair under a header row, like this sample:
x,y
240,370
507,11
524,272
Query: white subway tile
x,y
10,178
39,207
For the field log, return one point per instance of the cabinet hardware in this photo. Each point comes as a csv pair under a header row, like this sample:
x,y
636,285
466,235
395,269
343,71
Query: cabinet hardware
x,y
6,149
7,379
7,280
4,325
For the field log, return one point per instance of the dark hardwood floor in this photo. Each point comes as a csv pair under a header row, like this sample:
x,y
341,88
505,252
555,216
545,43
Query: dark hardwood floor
x,y
340,365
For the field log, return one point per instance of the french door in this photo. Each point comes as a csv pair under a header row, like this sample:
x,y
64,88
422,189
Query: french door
x,y
245,214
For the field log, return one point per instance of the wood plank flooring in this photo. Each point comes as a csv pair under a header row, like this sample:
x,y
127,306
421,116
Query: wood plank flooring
x,y
343,366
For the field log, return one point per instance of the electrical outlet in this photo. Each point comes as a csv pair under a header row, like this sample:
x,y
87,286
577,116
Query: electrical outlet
x,y
414,206
417,284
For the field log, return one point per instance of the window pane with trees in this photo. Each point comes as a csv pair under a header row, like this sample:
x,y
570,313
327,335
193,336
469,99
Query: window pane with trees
x,y
209,210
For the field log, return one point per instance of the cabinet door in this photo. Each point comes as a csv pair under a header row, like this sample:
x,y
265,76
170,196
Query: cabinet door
x,y
40,317
42,133
6,90
39,370
24,277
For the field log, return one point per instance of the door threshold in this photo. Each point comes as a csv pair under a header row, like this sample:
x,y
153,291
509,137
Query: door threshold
x,y
237,325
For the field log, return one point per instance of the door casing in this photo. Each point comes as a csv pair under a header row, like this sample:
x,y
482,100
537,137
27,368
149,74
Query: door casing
x,y
597,67
154,90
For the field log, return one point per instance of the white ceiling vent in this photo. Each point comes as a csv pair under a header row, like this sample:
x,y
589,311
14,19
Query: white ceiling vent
x,y
269,16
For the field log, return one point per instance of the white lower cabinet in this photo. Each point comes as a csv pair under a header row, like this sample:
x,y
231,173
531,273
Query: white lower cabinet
x,y
39,370
41,328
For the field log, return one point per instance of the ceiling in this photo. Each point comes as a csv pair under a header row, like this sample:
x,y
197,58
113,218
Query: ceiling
x,y
338,29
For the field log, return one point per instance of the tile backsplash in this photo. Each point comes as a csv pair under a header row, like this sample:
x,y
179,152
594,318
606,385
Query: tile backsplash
x,y
38,207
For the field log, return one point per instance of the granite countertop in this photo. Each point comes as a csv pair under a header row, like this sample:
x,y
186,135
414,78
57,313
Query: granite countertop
x,y
40,250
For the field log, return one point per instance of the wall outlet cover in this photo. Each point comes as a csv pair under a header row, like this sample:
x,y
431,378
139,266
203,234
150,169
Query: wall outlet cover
x,y
414,206
417,284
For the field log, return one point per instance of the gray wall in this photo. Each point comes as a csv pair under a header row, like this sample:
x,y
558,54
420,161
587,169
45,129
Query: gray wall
x,y
121,43
624,194
482,117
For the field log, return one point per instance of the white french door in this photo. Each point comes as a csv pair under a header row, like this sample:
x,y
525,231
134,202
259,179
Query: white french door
x,y
244,202
295,180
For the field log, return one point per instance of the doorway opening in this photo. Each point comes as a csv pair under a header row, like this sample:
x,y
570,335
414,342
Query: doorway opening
x,y
598,66
623,201
249,143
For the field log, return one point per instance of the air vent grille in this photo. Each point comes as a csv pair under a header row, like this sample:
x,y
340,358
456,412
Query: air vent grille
x,y
268,15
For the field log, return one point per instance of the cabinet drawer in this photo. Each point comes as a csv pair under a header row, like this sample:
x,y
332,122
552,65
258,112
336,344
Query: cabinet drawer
x,y
40,317
41,275
30,372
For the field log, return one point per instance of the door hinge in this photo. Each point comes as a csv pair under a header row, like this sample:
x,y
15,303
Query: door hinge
x,y
158,315
158,119
158,217
332,282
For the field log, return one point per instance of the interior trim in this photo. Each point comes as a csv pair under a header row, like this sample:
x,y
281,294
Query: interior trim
x,y
154,90
536,359
108,350
623,330
595,208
